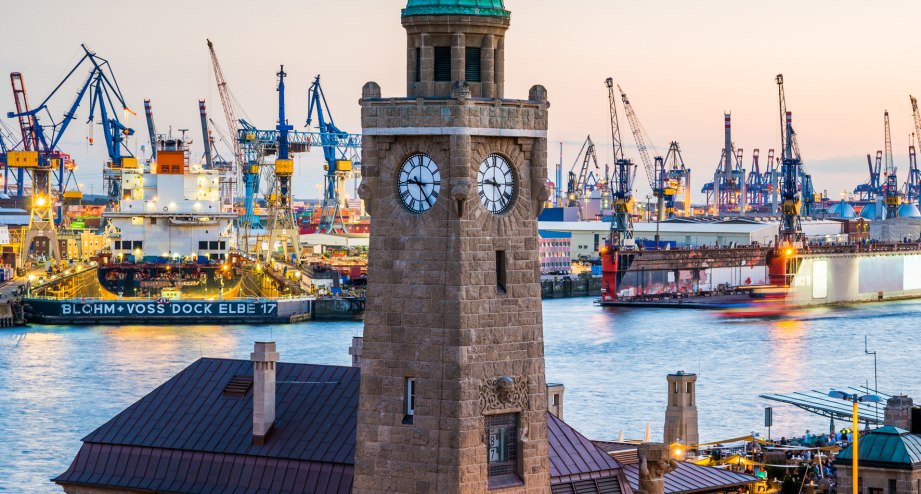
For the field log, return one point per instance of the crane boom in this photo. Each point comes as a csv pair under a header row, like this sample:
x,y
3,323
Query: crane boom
x,y
151,129
227,103
917,117
638,136
205,135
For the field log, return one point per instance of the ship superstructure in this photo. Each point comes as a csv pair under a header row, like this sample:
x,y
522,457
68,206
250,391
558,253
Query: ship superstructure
x,y
168,236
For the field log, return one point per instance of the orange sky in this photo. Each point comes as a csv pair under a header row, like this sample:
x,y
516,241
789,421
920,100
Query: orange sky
x,y
682,64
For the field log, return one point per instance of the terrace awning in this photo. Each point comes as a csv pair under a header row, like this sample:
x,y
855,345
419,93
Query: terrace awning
x,y
819,403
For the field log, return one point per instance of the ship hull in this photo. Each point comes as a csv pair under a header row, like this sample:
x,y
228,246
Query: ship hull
x,y
182,312
189,281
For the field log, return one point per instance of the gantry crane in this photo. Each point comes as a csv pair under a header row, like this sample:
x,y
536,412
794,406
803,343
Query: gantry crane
x,y
621,236
50,170
577,185
282,233
339,152
913,180
912,190
869,190
678,176
891,185
791,227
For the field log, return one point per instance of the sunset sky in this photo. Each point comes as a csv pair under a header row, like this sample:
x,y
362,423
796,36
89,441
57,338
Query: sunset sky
x,y
682,64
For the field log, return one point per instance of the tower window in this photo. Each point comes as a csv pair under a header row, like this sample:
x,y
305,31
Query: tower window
x,y
418,64
500,271
502,449
442,64
472,69
409,400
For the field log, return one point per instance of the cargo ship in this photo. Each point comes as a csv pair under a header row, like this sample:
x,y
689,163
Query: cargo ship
x,y
168,236
170,258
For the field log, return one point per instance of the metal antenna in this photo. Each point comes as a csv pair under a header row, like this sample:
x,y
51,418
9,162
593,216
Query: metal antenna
x,y
875,380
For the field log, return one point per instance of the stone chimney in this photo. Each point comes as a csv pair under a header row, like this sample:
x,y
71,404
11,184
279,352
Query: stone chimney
x,y
555,399
264,357
681,413
898,412
355,350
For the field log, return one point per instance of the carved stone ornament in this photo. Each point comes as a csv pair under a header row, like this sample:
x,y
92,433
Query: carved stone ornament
x,y
366,193
655,462
460,192
541,194
504,393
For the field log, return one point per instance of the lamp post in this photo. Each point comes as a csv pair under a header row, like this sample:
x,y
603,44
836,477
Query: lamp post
x,y
855,451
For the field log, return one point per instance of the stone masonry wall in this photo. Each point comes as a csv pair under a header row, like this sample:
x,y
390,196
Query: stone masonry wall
x,y
434,312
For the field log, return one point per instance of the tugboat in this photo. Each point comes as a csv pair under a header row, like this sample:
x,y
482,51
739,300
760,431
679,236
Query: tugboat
x,y
168,237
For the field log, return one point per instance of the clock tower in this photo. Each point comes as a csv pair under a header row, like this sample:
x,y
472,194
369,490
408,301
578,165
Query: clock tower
x,y
453,396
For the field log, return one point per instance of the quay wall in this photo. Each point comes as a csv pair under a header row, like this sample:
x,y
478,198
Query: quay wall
x,y
573,287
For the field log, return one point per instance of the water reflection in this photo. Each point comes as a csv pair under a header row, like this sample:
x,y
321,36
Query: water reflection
x,y
58,384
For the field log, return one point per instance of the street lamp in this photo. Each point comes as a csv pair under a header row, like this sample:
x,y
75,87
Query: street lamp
x,y
855,451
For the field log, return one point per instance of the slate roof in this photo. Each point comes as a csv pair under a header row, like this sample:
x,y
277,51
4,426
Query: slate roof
x,y
189,436
691,478
886,446
578,466
186,436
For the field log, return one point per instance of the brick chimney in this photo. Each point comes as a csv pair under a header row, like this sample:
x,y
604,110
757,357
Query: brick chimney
x,y
264,357
898,412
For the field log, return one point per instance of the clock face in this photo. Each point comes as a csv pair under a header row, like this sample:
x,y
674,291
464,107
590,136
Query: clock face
x,y
418,183
496,184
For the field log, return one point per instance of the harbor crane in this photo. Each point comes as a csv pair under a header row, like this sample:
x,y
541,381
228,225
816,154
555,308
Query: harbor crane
x,y
912,190
791,227
913,181
245,164
621,236
13,178
578,185
655,168
891,185
869,190
281,228
340,151
51,171
729,183
679,176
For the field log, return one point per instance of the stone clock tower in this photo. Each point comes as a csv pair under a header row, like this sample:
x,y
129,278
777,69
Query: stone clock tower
x,y
453,396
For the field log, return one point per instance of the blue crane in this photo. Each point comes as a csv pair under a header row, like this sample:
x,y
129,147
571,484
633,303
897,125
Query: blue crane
x,y
867,191
791,227
104,93
338,146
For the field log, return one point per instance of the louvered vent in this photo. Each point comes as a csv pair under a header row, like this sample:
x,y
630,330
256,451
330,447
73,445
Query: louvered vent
x,y
472,69
238,386
442,64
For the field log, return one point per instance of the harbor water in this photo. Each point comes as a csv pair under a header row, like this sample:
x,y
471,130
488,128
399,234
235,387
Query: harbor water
x,y
59,383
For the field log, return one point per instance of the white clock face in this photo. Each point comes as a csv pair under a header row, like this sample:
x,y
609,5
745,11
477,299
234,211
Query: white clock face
x,y
496,184
418,183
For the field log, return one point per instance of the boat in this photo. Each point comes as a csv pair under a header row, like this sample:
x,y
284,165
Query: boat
x,y
168,236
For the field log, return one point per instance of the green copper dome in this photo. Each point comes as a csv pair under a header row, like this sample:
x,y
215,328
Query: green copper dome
x,y
487,8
